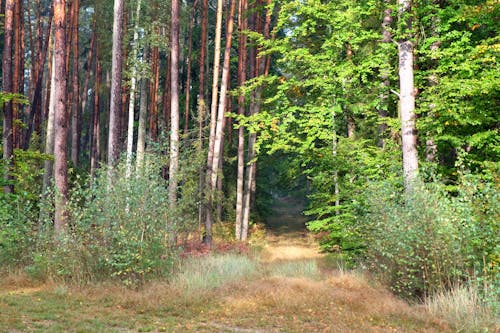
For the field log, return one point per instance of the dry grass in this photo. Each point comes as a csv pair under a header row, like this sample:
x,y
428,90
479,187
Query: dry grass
x,y
461,307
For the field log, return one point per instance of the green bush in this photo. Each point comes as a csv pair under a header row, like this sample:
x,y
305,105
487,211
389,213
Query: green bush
x,y
430,241
119,228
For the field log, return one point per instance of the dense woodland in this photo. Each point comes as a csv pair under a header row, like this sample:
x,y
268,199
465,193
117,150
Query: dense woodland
x,y
132,127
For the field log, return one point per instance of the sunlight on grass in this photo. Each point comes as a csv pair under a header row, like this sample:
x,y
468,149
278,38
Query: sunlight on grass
x,y
303,268
461,307
213,271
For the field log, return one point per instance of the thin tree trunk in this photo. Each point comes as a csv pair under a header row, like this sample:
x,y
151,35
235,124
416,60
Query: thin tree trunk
x,y
8,140
116,69
61,118
174,134
213,119
153,95
188,70
242,62
202,106
18,72
49,134
36,113
407,101
75,137
96,119
133,80
383,110
141,131
219,133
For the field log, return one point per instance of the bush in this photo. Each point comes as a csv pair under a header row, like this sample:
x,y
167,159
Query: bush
x,y
430,241
119,228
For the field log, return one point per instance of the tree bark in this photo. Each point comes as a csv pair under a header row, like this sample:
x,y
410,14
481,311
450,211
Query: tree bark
x,y
116,79
188,70
383,110
75,128
49,134
8,140
407,100
174,107
133,80
213,120
61,118
242,63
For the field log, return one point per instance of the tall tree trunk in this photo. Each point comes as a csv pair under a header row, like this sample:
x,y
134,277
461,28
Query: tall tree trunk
x,y
61,117
383,110
8,140
174,108
95,149
242,63
49,134
407,100
141,131
36,113
18,72
133,80
188,70
213,120
116,79
153,94
202,107
219,133
75,128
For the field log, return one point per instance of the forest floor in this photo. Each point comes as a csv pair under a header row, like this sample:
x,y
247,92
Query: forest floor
x,y
292,288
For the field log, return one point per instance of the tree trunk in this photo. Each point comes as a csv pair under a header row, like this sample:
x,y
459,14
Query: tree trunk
x,y
213,120
383,110
141,131
407,101
242,63
8,140
174,108
61,118
116,79
96,118
49,134
219,133
75,128
188,70
133,80
202,106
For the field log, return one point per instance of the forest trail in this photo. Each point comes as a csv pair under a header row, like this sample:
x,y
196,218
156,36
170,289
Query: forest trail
x,y
290,287
287,237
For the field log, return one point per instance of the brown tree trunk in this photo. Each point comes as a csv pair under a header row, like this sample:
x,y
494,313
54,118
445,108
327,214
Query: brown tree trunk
x,y
36,113
61,118
18,72
8,139
116,80
153,95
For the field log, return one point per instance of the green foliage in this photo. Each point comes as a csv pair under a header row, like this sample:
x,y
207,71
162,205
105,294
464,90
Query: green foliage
x,y
119,228
429,241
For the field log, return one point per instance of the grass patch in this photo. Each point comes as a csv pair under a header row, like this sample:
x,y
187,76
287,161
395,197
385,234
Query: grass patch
x,y
301,268
461,307
210,272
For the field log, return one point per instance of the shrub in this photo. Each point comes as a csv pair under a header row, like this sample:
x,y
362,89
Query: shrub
x,y
430,241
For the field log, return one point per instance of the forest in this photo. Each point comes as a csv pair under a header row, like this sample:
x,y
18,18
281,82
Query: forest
x,y
162,150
